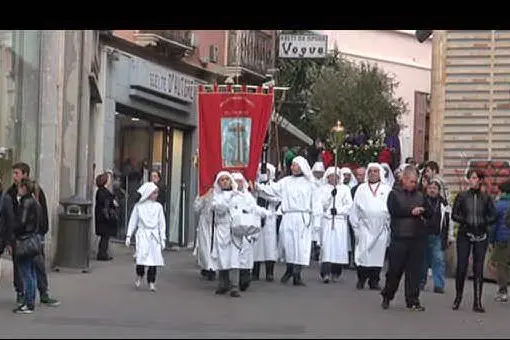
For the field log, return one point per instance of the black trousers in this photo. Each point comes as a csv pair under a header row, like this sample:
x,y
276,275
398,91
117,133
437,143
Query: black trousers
x,y
405,256
372,274
328,268
464,248
102,251
151,273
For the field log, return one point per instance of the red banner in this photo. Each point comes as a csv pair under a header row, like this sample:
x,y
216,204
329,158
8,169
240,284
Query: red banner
x,y
232,127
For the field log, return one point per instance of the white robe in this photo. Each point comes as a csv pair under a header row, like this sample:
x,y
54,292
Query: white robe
x,y
265,247
203,207
316,236
148,219
301,212
370,221
244,200
335,234
224,252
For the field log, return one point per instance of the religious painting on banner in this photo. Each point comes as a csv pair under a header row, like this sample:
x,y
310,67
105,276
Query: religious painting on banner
x,y
232,128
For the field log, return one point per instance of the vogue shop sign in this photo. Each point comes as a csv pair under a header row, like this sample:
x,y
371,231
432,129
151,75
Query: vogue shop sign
x,y
149,76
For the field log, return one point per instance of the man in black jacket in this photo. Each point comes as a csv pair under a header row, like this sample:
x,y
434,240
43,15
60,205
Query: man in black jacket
x,y
7,221
408,208
22,171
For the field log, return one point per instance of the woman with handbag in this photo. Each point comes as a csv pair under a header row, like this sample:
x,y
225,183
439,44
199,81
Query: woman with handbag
x,y
106,217
148,220
27,243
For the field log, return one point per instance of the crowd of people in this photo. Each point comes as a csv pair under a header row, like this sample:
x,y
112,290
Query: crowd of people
x,y
364,218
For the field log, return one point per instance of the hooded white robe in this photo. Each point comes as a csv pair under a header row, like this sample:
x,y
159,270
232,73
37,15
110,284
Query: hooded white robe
x,y
335,233
203,206
300,212
265,247
319,184
389,179
370,221
352,182
148,220
224,253
244,200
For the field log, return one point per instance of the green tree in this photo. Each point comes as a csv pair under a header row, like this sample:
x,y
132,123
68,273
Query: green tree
x,y
362,96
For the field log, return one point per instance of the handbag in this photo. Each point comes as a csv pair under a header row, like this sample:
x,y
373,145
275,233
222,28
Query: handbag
x,y
110,214
245,224
27,247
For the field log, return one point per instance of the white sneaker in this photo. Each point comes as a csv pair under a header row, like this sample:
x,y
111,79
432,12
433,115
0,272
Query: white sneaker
x,y
138,282
152,287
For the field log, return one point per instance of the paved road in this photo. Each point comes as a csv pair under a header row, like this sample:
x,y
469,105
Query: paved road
x,y
104,304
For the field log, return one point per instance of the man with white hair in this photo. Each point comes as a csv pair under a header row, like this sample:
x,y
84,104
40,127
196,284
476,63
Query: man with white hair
x,y
370,221
300,214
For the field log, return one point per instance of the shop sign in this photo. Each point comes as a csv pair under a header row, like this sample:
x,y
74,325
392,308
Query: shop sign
x,y
303,46
161,80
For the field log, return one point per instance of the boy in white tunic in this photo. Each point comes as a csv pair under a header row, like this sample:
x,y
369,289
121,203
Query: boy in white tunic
x,y
148,220
224,252
336,202
245,201
300,213
202,206
370,221
265,248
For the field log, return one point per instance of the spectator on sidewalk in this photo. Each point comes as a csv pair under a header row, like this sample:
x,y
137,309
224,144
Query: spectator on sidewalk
x,y
499,240
106,217
29,218
7,221
22,171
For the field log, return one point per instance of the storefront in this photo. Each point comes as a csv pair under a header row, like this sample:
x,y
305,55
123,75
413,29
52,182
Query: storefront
x,y
150,124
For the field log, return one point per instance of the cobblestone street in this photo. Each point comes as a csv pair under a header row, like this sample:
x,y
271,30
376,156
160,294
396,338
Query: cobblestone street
x,y
105,304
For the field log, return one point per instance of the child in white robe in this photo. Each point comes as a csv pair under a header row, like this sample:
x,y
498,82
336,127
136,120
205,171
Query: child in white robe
x,y
148,220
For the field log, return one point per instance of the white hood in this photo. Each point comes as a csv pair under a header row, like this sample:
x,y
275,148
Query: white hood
x,y
271,171
381,172
318,167
330,171
239,177
220,174
353,182
305,167
389,178
146,190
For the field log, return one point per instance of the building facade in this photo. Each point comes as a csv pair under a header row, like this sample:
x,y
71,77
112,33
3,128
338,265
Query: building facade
x,y
48,98
399,54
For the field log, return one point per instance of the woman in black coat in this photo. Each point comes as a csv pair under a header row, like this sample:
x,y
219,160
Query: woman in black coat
x,y
105,216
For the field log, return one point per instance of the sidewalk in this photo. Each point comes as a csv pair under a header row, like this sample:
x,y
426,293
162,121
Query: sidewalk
x,y
104,304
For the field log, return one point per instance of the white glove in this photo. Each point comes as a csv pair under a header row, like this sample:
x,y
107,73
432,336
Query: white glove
x,y
263,178
128,241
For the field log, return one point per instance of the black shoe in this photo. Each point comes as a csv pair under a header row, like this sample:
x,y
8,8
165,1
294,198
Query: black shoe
x,y
438,290
286,277
375,286
325,279
48,301
478,308
221,291
20,299
235,293
385,304
360,285
456,303
211,275
416,308
23,309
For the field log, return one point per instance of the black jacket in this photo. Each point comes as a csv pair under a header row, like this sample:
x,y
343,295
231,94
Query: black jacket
x,y
29,217
43,223
403,224
8,222
474,211
104,199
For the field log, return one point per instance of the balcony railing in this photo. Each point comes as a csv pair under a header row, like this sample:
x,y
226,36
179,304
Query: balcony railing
x,y
250,49
181,37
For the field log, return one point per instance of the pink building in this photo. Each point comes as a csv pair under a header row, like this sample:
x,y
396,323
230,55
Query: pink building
x,y
399,54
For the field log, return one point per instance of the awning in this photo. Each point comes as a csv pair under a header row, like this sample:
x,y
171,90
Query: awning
x,y
289,127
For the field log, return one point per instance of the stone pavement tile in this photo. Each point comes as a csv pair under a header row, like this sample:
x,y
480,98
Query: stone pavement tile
x,y
105,304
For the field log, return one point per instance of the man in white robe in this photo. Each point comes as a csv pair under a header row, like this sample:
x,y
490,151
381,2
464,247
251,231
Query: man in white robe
x,y
244,201
265,248
370,221
318,173
224,252
336,202
348,177
202,207
300,214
